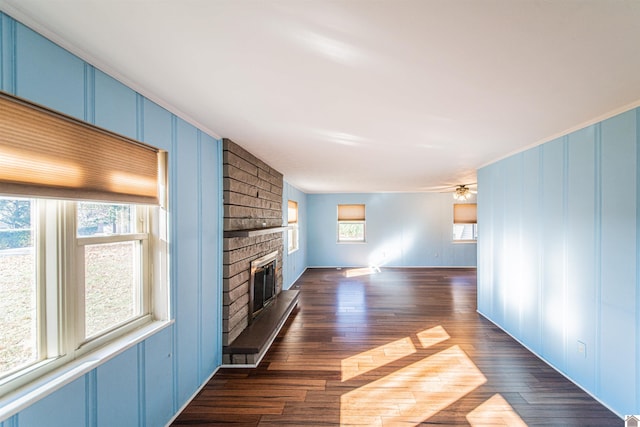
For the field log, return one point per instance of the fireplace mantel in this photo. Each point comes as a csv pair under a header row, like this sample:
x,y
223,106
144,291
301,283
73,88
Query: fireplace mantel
x,y
254,232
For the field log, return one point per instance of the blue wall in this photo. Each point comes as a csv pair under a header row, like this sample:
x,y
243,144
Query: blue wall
x,y
402,229
294,263
558,255
147,384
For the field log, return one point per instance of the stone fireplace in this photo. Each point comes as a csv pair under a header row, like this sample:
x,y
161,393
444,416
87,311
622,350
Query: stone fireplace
x,y
253,249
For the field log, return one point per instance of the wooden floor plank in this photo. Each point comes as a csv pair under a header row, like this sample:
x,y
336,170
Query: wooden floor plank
x,y
404,347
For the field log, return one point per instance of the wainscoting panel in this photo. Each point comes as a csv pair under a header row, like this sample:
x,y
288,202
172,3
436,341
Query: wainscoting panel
x,y
511,296
209,257
486,257
553,241
572,233
496,298
115,107
186,222
120,373
618,258
158,380
580,229
47,74
148,383
157,126
69,406
531,251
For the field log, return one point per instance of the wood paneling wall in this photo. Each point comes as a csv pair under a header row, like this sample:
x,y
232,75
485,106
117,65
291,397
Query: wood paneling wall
x,y
149,382
559,255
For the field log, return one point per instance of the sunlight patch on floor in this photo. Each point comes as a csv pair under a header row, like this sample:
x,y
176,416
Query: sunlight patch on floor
x,y
432,336
412,394
375,358
356,272
496,411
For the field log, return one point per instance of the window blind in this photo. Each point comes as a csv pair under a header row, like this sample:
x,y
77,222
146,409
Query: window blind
x,y
292,215
351,213
47,154
465,213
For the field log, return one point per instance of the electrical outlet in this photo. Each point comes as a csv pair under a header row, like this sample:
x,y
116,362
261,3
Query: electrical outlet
x,y
582,349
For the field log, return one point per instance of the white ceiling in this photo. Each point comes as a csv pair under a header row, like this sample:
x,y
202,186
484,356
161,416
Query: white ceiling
x,y
364,96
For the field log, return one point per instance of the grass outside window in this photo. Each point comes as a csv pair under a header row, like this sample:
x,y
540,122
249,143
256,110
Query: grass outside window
x,y
79,280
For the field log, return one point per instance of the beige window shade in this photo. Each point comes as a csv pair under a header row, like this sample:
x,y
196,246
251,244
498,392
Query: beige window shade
x,y
351,213
292,215
46,154
465,213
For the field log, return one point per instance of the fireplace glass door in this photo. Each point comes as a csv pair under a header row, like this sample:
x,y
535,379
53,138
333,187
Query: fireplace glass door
x,y
264,286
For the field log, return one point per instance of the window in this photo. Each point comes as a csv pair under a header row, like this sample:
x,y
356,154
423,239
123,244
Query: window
x,y
292,222
465,227
75,274
112,256
18,304
65,293
351,223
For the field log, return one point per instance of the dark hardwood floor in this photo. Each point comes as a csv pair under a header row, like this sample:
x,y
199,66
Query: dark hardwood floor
x,y
401,347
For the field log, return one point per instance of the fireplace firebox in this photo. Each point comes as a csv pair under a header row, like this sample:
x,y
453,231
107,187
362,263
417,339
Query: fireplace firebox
x,y
262,283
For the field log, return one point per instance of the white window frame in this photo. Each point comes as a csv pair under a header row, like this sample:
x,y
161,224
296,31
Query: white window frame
x,y
351,213
465,217
364,232
64,351
140,234
293,239
474,231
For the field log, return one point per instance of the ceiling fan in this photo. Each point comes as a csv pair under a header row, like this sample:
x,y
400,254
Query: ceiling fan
x,y
463,193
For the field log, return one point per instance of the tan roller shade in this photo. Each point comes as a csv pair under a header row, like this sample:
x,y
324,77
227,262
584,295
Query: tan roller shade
x,y
292,215
351,213
465,213
47,154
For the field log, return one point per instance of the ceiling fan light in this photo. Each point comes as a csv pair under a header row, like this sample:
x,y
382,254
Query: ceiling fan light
x,y
462,193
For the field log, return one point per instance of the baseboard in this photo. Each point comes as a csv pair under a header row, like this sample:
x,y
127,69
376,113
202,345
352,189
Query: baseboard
x,y
193,396
298,278
342,267
550,364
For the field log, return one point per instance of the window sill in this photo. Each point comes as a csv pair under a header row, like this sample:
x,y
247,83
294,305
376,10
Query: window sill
x,y
25,396
455,242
